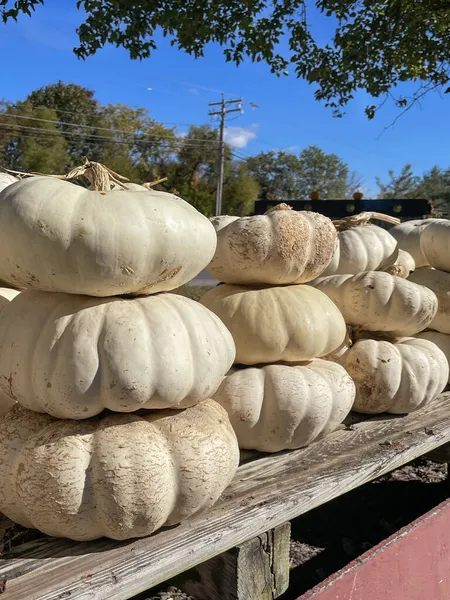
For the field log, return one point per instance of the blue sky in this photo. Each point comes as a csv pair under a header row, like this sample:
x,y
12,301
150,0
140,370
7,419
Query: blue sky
x,y
181,87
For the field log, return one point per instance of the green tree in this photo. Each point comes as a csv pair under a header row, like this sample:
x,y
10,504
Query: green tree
x,y
79,117
435,186
323,173
240,192
404,185
376,44
278,175
40,148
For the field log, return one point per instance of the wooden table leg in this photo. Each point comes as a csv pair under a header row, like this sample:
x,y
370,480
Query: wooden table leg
x,y
256,570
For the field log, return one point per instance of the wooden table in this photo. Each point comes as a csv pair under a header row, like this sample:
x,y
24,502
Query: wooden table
x,y
267,492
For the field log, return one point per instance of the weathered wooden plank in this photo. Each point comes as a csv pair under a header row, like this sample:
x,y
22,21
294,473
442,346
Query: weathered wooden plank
x,y
267,492
256,570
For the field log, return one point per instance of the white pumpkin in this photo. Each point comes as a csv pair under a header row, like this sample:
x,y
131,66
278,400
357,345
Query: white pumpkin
x,y
291,324
6,179
362,246
408,236
119,476
439,283
282,407
279,247
435,244
442,341
57,236
377,301
395,377
403,266
72,356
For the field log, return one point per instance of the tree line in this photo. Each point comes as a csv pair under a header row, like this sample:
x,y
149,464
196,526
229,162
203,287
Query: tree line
x,y
56,126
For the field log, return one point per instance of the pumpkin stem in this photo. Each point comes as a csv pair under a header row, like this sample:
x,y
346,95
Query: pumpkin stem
x,y
99,176
398,271
150,184
281,206
362,219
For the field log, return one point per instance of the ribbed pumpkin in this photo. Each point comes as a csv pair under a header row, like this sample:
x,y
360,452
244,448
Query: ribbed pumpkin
x,y
442,341
377,301
72,356
61,237
435,244
397,377
6,179
280,407
119,476
281,247
408,236
362,246
293,323
439,283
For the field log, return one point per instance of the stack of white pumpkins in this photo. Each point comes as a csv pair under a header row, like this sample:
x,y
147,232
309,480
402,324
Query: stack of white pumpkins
x,y
364,276
281,394
95,330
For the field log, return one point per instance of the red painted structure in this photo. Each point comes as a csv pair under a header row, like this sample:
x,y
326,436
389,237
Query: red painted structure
x,y
413,564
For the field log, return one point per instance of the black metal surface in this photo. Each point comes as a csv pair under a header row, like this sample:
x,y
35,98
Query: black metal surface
x,y
335,209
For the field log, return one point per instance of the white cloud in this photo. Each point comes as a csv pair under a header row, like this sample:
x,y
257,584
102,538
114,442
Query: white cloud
x,y
194,91
181,134
239,137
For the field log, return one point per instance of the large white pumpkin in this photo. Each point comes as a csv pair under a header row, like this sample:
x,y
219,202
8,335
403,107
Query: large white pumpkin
x,y
365,247
280,247
72,356
6,179
442,341
57,236
377,301
282,407
435,244
119,476
408,236
395,377
293,323
439,283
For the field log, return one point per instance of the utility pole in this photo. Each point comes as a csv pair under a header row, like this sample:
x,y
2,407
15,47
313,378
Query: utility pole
x,y
222,113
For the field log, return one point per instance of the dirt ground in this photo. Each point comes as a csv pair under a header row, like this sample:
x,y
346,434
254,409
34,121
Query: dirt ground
x,y
329,537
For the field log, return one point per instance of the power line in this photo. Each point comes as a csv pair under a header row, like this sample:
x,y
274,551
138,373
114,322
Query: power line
x,y
79,125
222,113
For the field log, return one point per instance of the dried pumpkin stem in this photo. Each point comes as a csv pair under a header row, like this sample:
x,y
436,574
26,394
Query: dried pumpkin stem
x,y
281,206
99,176
362,219
150,184
398,271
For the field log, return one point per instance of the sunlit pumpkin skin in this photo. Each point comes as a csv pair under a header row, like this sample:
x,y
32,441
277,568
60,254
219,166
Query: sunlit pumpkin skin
x,y
408,236
435,244
363,248
60,237
282,407
119,476
395,377
6,180
377,301
73,356
293,323
6,295
442,341
439,283
280,247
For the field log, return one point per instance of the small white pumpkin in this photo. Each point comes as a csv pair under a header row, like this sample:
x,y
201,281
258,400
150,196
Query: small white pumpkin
x,y
362,246
57,236
377,301
6,180
408,235
397,377
435,244
282,246
72,356
291,324
119,476
442,341
439,283
282,407
403,266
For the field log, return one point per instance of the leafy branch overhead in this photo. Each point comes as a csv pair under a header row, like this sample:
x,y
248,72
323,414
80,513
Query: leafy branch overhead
x,y
376,44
